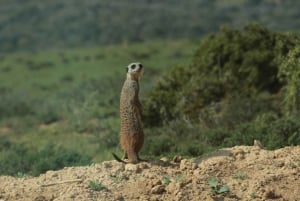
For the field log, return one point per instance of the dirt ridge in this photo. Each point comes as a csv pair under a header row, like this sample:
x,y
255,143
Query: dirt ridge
x,y
249,172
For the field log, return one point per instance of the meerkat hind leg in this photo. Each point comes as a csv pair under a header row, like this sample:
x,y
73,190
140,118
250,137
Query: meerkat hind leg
x,y
125,156
132,157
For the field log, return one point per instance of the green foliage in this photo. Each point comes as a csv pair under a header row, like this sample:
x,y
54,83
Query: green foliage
x,y
15,104
240,175
36,25
216,188
96,185
232,93
164,140
253,195
166,180
227,65
5,143
21,158
271,131
116,178
289,71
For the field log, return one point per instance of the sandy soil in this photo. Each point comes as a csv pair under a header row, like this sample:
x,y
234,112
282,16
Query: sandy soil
x,y
249,172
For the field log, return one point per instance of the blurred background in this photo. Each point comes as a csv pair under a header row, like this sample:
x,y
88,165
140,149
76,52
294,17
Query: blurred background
x,y
217,73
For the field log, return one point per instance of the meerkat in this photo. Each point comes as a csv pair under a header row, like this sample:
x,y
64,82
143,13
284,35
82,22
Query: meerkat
x,y
131,134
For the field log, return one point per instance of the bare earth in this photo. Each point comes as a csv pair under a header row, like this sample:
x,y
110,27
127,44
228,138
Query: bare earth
x,y
250,173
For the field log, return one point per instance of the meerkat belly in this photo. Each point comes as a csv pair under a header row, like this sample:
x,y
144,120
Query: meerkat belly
x,y
131,124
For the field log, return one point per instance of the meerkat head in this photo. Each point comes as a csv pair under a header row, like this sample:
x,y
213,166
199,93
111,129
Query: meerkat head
x,y
135,70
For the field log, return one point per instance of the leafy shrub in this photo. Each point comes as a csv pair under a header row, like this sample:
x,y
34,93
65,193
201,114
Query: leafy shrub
x,y
165,140
25,159
49,111
89,102
5,144
232,93
15,104
227,65
272,131
289,72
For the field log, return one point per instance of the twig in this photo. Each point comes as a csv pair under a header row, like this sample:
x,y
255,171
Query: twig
x,y
60,182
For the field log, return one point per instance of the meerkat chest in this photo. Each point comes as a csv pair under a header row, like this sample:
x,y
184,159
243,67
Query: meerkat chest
x,y
130,92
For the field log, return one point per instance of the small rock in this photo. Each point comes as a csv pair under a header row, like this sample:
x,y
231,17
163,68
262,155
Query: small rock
x,y
107,164
179,196
148,175
159,189
40,198
270,194
185,164
239,154
173,188
51,173
119,198
144,166
177,159
165,159
156,182
194,166
258,144
132,168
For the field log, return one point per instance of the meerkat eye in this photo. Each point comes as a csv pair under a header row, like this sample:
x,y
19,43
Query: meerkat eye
x,y
133,66
140,65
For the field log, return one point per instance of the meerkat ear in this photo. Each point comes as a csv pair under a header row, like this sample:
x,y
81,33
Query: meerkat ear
x,y
126,69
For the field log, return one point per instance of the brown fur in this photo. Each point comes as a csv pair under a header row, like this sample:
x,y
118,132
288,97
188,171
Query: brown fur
x,y
131,135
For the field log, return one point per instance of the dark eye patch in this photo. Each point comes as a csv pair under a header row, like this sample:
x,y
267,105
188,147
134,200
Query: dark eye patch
x,y
133,66
140,65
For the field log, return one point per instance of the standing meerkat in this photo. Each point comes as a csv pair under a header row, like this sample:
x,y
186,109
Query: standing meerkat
x,y
131,135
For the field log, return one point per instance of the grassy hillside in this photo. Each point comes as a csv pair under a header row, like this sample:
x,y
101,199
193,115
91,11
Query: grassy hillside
x,y
39,25
67,101
60,108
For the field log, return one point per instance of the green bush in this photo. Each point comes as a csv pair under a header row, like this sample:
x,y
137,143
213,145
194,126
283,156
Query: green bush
x,y
89,107
242,85
289,71
176,137
227,65
272,131
15,104
181,138
22,158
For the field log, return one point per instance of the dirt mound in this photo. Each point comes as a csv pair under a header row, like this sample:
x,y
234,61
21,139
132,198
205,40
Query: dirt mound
x,y
238,173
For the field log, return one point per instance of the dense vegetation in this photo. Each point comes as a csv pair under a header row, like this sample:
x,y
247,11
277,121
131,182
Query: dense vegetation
x,y
38,25
60,108
242,85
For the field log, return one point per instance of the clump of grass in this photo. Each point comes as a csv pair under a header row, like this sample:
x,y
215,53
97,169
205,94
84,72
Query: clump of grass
x,y
240,175
253,195
166,180
216,188
179,179
115,178
21,175
96,185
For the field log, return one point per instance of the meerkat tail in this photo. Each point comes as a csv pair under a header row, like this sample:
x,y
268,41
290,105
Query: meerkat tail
x,y
117,158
